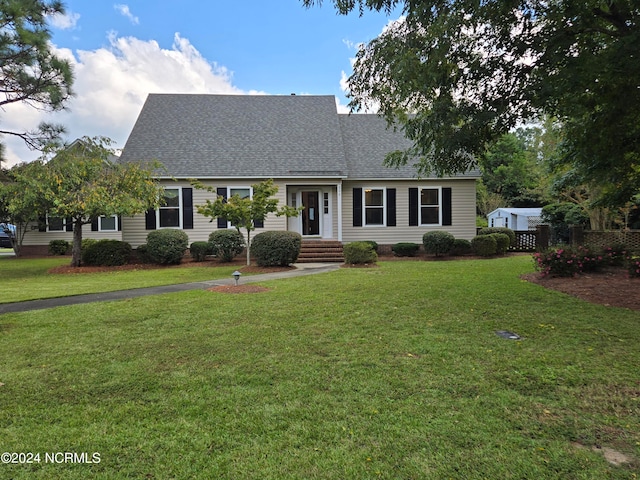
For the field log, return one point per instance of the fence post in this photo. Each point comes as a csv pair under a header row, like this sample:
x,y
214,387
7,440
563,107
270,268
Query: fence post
x,y
543,234
576,235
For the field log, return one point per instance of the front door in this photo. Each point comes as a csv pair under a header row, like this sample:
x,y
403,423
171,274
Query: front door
x,y
311,213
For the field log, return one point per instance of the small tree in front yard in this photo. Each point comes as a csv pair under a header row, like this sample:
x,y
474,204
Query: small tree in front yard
x,y
244,212
81,182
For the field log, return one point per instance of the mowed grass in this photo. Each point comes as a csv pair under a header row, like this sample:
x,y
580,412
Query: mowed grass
x,y
392,372
28,279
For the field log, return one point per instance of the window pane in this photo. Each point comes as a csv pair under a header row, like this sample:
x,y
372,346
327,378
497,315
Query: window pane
x,y
373,198
429,196
107,223
374,216
55,224
169,217
171,197
430,215
241,192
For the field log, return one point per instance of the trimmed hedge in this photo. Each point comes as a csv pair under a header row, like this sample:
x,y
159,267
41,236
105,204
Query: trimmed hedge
x,y
405,249
373,244
199,251
106,253
58,247
359,253
461,247
484,245
226,244
142,254
438,242
167,246
507,231
271,248
502,242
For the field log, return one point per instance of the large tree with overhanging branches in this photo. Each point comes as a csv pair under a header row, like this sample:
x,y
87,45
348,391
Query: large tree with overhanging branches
x,y
455,75
30,73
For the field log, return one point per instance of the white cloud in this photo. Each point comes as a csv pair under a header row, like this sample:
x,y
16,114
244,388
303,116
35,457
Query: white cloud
x,y
126,12
111,85
67,21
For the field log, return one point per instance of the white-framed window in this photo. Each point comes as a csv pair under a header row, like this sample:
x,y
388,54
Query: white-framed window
x,y
108,224
55,224
374,203
242,192
169,215
430,208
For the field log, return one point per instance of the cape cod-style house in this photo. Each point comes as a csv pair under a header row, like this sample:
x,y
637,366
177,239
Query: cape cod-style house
x,y
330,163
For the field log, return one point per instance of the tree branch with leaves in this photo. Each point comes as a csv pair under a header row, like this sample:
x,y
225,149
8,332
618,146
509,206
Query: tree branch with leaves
x,y
243,213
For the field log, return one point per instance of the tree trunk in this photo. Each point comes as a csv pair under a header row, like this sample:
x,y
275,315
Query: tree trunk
x,y
76,249
248,247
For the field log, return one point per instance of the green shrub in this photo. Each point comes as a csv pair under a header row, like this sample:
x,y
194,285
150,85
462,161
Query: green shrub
x,y
502,242
438,242
107,253
199,251
484,245
142,254
276,248
167,246
86,242
226,244
405,249
58,247
359,253
505,230
461,247
373,244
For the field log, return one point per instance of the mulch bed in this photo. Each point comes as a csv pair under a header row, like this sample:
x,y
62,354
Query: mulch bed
x,y
239,289
611,287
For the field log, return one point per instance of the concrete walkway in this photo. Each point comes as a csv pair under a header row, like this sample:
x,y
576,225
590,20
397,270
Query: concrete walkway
x,y
301,269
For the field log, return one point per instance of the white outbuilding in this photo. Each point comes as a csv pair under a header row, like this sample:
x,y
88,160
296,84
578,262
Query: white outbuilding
x,y
516,218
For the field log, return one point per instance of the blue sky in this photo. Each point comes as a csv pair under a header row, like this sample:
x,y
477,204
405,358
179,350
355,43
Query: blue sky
x,y
124,51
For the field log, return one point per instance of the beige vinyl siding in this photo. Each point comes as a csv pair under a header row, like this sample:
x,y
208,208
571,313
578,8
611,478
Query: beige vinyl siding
x,y
136,234
463,212
34,237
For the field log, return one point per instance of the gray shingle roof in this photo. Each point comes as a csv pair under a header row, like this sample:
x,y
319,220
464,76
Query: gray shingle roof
x,y
207,136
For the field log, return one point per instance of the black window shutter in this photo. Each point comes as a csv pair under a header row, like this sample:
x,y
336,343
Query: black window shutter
x,y
68,224
413,207
42,224
94,224
150,220
119,224
357,207
446,206
391,207
187,208
222,192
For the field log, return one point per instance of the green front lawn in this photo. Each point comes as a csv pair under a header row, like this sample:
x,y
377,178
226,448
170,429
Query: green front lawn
x,y
392,372
27,279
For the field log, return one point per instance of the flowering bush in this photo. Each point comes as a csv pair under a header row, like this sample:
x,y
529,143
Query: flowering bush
x,y
567,262
633,266
615,255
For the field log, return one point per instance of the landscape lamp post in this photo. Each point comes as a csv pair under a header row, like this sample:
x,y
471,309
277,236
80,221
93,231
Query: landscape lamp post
x,y
236,275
